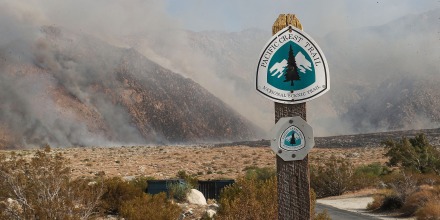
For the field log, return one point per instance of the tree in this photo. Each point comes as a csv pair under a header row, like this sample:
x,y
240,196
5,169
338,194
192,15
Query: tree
x,y
414,153
292,68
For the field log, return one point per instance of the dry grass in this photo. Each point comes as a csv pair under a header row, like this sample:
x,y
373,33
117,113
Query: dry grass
x,y
431,211
162,162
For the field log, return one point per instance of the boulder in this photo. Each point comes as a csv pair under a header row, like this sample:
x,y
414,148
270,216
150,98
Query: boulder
x,y
211,213
196,197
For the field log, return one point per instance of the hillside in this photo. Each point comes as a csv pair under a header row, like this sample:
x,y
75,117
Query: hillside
x,y
78,90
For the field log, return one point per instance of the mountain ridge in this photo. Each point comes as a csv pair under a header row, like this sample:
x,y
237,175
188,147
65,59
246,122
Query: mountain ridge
x,y
92,93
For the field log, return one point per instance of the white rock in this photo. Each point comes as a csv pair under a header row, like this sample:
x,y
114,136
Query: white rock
x,y
196,197
211,213
92,183
128,178
14,205
189,212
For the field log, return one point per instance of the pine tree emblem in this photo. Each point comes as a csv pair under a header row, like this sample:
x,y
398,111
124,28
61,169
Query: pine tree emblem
x,y
292,68
293,140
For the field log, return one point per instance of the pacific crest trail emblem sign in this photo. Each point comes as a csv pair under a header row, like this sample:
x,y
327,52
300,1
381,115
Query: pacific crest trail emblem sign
x,y
292,68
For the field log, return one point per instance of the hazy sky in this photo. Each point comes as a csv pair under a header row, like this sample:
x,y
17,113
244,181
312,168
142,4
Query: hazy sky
x,y
235,15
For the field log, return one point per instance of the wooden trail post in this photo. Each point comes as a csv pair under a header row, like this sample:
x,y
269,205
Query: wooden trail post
x,y
293,176
292,53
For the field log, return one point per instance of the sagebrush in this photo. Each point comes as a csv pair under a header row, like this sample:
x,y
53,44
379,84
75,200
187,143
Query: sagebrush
x,y
42,189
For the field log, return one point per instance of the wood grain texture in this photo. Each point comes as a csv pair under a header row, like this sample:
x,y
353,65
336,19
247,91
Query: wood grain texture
x,y
293,176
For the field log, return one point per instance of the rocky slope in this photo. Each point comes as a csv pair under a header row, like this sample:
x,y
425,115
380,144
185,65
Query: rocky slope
x,y
78,90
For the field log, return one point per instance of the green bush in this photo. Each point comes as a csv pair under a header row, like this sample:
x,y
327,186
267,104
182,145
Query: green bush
x,y
415,154
373,169
149,207
178,191
368,175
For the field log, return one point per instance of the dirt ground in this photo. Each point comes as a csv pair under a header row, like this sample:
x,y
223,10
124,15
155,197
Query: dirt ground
x,y
163,162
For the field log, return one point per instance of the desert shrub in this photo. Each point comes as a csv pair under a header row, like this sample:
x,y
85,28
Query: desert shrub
x,y
431,211
42,189
368,175
376,203
403,185
140,182
400,186
415,154
390,203
430,179
117,191
249,198
332,178
373,169
416,200
178,191
322,215
312,201
191,180
264,173
317,216
149,207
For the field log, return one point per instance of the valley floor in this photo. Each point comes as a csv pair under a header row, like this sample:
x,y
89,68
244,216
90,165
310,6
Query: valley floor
x,y
203,162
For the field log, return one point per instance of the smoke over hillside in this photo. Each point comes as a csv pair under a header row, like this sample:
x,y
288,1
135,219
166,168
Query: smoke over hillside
x,y
67,75
360,60
396,64
73,87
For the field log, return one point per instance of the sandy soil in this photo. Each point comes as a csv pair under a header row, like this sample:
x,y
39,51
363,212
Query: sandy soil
x,y
162,162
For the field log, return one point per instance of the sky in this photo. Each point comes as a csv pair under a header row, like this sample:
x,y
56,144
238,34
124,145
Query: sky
x,y
236,15
113,17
